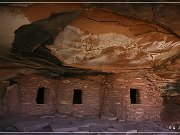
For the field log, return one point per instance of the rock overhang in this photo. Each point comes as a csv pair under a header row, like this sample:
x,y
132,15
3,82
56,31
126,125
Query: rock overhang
x,y
106,41
131,44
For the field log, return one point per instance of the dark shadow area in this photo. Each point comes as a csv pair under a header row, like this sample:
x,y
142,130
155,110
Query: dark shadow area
x,y
40,96
77,97
171,102
134,96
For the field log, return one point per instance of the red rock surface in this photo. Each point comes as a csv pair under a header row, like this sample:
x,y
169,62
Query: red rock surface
x,y
106,41
150,27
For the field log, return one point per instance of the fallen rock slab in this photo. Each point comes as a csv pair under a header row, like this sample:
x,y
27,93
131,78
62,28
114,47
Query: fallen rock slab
x,y
78,115
61,115
121,120
57,128
28,126
88,124
11,129
81,128
112,118
131,132
93,128
108,118
113,130
118,126
47,116
102,128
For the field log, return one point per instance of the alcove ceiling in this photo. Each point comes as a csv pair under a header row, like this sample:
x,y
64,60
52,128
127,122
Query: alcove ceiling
x,y
89,38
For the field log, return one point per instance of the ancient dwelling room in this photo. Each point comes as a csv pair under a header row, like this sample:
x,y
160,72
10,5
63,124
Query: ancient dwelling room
x,y
89,67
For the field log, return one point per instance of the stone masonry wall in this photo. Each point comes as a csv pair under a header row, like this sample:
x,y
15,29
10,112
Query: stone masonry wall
x,y
108,95
117,97
28,88
91,96
59,95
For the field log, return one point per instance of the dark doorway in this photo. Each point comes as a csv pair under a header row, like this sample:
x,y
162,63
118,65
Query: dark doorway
x,y
134,96
40,95
77,98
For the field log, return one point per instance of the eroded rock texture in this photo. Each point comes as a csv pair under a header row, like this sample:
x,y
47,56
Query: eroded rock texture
x,y
103,40
100,40
141,51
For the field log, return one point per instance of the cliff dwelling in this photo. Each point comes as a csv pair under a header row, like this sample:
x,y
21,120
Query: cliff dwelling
x,y
99,68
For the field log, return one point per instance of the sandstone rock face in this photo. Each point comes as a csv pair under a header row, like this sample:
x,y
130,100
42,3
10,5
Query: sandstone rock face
x,y
164,14
14,16
106,41
11,100
3,89
10,21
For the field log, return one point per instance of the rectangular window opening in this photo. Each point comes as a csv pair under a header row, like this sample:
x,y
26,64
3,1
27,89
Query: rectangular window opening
x,y
77,97
40,98
134,96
